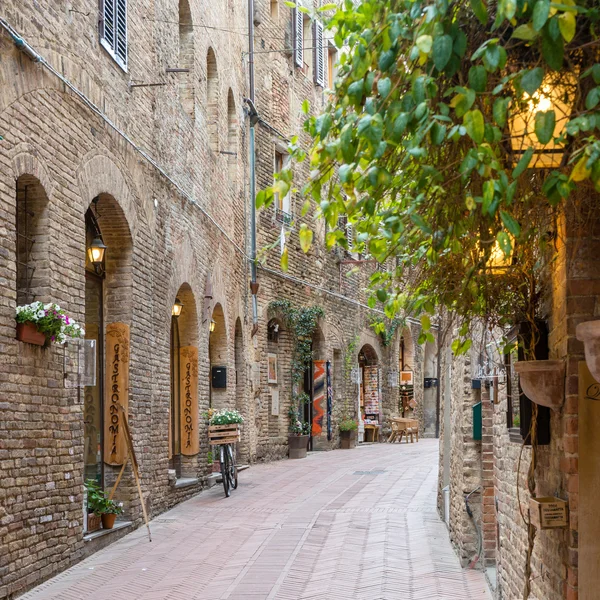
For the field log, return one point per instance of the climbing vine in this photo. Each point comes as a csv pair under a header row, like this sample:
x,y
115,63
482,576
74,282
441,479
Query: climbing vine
x,y
349,355
301,322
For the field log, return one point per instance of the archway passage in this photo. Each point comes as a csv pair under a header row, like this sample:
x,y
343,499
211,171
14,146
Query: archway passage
x,y
108,314
370,406
183,416
406,379
217,353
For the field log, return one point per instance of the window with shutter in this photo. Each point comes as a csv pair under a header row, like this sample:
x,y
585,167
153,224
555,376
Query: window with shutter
x,y
113,30
298,37
319,54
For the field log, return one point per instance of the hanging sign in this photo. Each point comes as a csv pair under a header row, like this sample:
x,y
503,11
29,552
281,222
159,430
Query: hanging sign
x,y
188,400
329,401
116,392
319,400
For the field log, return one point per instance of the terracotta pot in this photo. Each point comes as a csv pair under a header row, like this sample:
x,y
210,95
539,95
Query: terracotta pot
x,y
589,334
543,381
28,332
347,440
93,522
108,520
298,446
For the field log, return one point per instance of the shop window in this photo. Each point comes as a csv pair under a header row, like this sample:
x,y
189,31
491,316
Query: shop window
x,y
283,212
113,30
212,86
513,407
32,228
186,58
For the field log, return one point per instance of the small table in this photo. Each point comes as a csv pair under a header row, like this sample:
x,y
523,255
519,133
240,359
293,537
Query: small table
x,y
405,426
374,429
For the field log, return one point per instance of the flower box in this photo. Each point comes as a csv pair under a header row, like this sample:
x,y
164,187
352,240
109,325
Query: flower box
x,y
28,333
543,381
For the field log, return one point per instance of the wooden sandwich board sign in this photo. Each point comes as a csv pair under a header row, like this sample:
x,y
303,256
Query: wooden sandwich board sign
x,y
130,455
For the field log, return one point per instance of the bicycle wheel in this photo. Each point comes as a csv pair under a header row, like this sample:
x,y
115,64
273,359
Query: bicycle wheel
x,y
233,478
224,460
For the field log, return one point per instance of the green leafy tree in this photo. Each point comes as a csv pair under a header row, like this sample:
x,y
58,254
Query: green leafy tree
x,y
432,143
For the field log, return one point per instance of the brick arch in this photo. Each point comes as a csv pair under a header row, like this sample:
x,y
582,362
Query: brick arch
x,y
183,271
25,163
368,338
98,175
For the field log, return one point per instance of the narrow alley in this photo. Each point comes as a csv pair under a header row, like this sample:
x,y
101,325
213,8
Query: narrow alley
x,y
358,524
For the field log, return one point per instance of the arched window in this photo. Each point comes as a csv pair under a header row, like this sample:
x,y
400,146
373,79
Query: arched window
x,y
186,58
273,331
212,101
33,261
232,134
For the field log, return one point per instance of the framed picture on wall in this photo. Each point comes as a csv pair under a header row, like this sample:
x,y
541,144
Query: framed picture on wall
x,y
272,368
406,378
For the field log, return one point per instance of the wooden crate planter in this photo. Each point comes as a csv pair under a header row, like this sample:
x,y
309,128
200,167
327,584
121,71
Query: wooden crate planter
x,y
224,434
549,513
93,522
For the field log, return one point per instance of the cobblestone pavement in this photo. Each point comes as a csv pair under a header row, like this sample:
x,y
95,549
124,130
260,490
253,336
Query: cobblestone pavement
x,y
348,524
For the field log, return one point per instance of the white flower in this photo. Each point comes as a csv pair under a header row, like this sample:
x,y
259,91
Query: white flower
x,y
47,306
40,314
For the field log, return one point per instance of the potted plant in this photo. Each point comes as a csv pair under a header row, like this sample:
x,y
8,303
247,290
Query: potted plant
x,y
100,507
348,429
299,433
41,324
94,505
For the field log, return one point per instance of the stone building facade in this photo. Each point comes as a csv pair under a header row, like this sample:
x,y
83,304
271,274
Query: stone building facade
x,y
564,560
136,133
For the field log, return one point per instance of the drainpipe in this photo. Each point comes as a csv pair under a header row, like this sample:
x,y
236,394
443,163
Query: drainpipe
x,y
253,120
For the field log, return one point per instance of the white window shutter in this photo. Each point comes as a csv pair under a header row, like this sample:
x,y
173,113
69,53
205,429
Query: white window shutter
x,y
113,29
319,54
298,37
121,37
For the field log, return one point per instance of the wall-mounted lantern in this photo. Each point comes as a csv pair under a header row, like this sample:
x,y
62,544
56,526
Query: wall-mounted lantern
x,y
177,307
96,251
553,94
212,325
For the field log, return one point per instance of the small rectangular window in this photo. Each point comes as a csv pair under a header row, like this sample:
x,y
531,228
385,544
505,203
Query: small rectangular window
x,y
275,10
113,30
282,204
331,66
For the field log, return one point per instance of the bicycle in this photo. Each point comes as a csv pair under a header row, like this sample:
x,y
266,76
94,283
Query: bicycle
x,y
225,437
229,474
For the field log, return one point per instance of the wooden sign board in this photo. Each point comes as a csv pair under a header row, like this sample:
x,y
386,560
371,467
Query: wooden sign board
x,y
116,392
548,513
188,398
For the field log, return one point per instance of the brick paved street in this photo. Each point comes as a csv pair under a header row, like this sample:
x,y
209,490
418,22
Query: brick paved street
x,y
344,524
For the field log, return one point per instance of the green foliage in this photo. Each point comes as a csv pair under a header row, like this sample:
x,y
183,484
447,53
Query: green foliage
x,y
350,355
301,322
348,425
98,501
386,328
416,146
